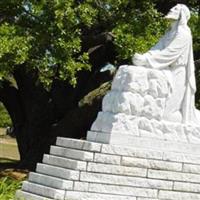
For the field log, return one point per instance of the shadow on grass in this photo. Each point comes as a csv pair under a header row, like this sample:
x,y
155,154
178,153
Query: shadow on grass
x,y
6,163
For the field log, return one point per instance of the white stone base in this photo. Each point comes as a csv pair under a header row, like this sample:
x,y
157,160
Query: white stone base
x,y
128,140
110,125
149,170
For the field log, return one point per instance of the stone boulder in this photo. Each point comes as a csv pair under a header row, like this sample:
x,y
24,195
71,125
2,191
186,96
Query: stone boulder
x,y
135,107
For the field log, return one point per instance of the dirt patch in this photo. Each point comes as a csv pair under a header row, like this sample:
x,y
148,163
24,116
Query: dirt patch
x,y
16,174
9,168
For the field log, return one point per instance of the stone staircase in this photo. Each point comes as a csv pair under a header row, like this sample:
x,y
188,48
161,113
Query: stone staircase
x,y
83,170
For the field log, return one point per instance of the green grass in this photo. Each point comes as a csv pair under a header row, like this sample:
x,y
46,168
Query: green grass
x,y
8,187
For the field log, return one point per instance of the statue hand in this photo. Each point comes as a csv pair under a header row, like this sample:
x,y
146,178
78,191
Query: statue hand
x,y
136,59
139,59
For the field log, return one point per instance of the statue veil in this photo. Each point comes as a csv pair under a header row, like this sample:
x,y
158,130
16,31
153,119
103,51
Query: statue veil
x,y
173,54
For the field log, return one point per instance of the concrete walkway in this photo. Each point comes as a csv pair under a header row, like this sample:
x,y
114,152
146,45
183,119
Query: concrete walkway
x,y
8,147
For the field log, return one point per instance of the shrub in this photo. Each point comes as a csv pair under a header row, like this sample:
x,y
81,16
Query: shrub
x,y
4,117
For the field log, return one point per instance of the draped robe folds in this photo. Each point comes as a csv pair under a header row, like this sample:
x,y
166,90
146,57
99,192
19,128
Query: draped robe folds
x,y
173,54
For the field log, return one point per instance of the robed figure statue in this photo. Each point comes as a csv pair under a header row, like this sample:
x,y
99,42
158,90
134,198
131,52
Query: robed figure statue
x,y
173,54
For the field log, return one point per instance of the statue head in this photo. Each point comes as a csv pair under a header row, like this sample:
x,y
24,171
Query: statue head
x,y
180,12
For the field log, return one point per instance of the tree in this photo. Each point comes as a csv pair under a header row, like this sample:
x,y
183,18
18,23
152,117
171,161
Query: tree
x,y
51,54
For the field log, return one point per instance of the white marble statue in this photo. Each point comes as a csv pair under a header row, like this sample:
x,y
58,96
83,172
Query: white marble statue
x,y
173,55
154,98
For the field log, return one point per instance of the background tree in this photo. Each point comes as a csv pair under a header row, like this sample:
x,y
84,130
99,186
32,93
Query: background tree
x,y
51,54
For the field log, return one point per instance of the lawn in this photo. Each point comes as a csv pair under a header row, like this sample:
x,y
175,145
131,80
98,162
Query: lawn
x,y
8,187
10,179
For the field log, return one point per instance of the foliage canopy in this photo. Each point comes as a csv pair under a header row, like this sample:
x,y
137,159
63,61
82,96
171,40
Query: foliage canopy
x,y
47,35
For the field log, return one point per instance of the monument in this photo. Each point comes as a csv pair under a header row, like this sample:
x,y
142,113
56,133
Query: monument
x,y
144,144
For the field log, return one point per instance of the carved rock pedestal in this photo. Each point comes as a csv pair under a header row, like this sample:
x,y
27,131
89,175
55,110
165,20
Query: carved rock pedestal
x,y
135,109
131,152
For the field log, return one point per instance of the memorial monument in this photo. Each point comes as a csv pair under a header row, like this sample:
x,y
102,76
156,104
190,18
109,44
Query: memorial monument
x,y
145,143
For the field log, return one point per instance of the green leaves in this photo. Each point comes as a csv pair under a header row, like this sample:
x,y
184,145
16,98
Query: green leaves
x,y
73,66
86,14
8,187
14,48
47,35
138,32
195,28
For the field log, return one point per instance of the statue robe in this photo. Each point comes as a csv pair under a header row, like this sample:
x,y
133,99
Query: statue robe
x,y
174,55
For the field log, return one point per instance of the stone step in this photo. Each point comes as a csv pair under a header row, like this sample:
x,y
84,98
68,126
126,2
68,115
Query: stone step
x,y
107,159
136,152
64,162
115,189
74,195
43,190
172,195
21,195
129,140
140,151
187,187
57,172
116,169
115,180
151,164
173,176
123,190
113,172
143,198
50,181
78,144
72,153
